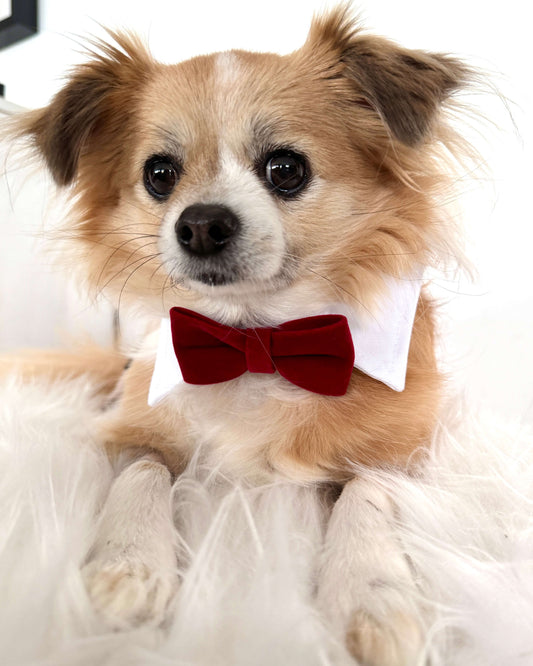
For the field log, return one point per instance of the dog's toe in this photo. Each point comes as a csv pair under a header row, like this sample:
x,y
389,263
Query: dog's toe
x,y
127,593
397,643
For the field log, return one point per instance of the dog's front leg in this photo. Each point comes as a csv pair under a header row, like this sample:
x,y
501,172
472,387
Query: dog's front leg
x,y
132,572
366,587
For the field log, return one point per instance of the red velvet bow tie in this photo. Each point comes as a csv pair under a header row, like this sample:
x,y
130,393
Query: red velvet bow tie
x,y
315,353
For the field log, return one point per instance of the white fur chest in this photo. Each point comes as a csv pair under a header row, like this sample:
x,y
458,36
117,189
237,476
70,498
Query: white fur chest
x,y
236,425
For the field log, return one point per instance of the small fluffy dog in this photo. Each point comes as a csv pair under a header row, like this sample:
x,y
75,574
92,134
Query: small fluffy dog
x,y
284,209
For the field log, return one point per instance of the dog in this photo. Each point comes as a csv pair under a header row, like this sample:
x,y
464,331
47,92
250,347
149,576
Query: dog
x,y
283,209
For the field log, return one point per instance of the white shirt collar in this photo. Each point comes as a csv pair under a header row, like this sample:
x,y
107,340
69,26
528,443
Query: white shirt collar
x,y
381,342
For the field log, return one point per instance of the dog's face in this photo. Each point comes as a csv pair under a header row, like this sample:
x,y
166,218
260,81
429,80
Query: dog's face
x,y
250,186
248,203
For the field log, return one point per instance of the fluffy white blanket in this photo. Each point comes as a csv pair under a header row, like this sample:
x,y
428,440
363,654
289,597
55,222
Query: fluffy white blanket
x,y
246,598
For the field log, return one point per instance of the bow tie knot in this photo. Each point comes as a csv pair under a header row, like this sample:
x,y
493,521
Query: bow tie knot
x,y
258,350
315,353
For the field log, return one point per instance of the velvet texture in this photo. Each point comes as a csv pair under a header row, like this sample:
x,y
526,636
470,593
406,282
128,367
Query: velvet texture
x,y
315,353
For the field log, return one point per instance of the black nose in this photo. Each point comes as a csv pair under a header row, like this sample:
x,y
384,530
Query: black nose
x,y
206,229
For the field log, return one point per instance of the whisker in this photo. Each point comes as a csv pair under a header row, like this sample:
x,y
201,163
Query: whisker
x,y
126,229
95,239
168,280
118,249
341,289
145,211
125,268
144,262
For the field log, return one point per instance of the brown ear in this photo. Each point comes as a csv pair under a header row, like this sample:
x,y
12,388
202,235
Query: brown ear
x,y
405,87
94,103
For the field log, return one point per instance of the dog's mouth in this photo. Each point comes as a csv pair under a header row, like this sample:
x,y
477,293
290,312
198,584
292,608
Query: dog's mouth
x,y
240,280
220,270
213,278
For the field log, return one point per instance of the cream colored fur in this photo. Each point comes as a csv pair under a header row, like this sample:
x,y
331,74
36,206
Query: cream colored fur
x,y
251,556
367,120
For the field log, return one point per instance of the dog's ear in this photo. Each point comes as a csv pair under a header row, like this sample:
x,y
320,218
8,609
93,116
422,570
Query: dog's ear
x,y
405,87
94,106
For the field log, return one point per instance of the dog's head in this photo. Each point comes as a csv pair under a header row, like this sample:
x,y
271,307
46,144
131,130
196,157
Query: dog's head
x,y
246,185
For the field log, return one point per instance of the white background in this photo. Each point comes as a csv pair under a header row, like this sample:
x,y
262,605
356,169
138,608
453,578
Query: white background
x,y
490,323
5,9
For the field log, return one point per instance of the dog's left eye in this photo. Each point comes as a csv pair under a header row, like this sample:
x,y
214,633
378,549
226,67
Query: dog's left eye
x,y
160,176
286,171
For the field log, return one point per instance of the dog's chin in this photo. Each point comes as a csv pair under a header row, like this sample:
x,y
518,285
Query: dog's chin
x,y
219,282
204,279
218,285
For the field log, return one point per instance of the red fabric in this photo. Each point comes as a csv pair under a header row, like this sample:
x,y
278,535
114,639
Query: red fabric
x,y
315,353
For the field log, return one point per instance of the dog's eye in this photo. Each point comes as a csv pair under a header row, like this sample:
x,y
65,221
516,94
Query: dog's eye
x,y
160,176
286,172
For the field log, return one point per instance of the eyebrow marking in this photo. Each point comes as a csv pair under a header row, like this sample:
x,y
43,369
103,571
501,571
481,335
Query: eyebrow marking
x,y
227,69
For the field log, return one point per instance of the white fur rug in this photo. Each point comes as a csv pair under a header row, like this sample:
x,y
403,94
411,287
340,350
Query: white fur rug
x,y
246,596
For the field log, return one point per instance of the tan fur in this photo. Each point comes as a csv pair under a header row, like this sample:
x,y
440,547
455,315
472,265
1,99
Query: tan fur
x,y
369,115
299,435
374,178
102,366
133,424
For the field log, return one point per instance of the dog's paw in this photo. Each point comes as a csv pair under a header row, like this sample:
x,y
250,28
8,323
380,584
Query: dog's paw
x,y
399,642
127,593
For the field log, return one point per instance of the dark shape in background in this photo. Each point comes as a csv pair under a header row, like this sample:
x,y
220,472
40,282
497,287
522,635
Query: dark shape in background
x,y
21,24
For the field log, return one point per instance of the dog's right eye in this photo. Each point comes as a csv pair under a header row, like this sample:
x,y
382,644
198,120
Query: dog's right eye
x,y
286,172
160,176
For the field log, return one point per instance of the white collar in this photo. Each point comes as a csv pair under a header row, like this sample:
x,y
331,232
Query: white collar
x,y
381,342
